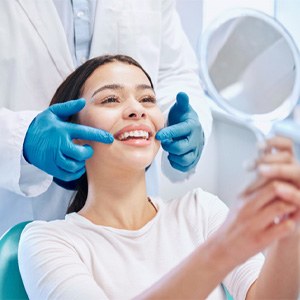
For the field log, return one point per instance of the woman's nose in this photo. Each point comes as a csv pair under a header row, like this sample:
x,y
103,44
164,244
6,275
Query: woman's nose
x,y
135,111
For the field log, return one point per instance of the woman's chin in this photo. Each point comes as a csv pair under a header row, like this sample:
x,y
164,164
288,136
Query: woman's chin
x,y
137,164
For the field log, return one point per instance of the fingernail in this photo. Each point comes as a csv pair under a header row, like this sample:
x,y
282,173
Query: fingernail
x,y
282,190
265,169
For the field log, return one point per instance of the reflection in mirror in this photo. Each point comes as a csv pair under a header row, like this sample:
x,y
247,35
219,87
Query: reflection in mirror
x,y
253,51
250,67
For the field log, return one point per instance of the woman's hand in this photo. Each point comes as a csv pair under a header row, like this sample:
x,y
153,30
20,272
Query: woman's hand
x,y
270,207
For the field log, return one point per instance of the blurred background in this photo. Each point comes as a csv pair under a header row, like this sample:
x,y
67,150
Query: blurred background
x,y
221,169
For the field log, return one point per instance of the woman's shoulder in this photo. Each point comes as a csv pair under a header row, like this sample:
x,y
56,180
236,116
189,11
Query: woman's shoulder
x,y
39,225
198,209
199,198
55,229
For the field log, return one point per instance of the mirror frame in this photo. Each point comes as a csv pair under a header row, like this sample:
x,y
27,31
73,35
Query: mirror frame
x,y
280,112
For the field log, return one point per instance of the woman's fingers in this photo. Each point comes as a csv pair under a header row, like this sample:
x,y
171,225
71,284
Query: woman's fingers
x,y
285,172
280,143
279,231
256,184
276,164
280,157
275,213
275,189
267,172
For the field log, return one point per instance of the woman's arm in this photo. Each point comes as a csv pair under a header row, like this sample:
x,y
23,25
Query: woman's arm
x,y
248,230
279,277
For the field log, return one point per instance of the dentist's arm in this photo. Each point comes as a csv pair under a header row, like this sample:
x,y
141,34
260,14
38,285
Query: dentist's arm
x,y
179,71
48,142
16,175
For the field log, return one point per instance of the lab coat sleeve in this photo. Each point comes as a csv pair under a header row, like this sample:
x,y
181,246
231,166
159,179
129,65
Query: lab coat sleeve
x,y
51,268
17,175
179,70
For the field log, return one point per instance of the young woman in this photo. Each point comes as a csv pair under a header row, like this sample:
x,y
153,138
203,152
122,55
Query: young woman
x,y
117,243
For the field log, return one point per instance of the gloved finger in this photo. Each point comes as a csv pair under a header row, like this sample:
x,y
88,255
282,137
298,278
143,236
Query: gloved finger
x,y
87,133
176,131
182,102
67,109
183,160
182,168
77,152
66,176
67,164
179,147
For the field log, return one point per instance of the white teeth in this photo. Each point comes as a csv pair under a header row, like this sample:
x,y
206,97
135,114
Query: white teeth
x,y
135,133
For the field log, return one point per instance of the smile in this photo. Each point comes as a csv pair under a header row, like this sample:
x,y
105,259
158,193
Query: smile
x,y
135,134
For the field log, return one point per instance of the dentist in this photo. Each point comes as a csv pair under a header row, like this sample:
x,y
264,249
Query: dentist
x,y
42,42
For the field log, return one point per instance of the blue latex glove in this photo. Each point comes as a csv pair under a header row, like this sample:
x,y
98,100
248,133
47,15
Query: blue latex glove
x,y
48,142
183,138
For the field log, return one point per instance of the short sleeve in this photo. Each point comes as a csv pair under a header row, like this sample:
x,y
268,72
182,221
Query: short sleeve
x,y
51,268
241,278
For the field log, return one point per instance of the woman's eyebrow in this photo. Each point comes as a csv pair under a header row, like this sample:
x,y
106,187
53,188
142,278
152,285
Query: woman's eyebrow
x,y
108,87
120,87
144,87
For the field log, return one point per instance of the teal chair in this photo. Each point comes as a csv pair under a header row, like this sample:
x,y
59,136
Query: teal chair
x,y
11,285
228,296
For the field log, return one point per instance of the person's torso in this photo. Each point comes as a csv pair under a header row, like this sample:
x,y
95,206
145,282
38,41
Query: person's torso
x,y
35,57
124,263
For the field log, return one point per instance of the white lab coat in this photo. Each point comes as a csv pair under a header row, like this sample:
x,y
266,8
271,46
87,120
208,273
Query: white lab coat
x,y
35,59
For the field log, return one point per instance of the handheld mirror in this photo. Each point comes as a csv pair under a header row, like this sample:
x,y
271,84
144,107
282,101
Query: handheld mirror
x,y
250,68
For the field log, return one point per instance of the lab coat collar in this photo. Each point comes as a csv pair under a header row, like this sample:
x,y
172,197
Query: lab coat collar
x,y
45,20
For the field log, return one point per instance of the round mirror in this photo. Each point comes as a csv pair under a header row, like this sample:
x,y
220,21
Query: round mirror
x,y
250,67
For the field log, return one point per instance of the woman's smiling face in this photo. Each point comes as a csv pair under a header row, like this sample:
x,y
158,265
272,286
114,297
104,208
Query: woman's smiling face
x,y
120,100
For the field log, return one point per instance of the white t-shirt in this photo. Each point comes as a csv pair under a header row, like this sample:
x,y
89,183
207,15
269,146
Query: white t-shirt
x,y
76,259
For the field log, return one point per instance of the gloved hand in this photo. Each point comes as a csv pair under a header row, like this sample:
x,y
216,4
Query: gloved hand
x,y
48,142
183,138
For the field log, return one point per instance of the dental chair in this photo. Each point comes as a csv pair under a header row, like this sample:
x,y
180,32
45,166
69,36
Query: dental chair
x,y
11,285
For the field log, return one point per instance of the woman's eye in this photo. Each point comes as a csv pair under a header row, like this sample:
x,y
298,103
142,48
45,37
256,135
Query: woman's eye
x,y
109,100
149,99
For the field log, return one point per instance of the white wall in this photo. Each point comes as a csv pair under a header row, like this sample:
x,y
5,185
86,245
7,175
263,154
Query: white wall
x,y
191,17
212,8
288,12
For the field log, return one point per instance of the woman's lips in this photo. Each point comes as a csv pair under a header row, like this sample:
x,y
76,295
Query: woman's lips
x,y
137,135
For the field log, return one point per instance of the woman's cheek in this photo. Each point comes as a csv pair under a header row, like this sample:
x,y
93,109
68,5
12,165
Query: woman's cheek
x,y
99,118
96,119
160,120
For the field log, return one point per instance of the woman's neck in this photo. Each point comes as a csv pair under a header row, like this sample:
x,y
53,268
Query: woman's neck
x,y
118,199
